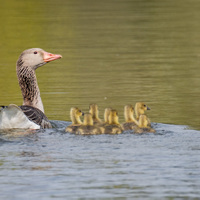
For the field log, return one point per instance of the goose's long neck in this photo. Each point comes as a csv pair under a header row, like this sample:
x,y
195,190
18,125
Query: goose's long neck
x,y
29,87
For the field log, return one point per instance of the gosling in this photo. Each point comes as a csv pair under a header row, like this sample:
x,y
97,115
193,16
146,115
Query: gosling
x,y
75,114
94,111
143,125
113,126
140,109
88,128
130,121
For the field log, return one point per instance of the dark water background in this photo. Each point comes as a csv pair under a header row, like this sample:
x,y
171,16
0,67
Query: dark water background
x,y
115,52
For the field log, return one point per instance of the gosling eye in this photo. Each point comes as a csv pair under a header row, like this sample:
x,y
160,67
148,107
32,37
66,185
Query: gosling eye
x,y
144,105
35,52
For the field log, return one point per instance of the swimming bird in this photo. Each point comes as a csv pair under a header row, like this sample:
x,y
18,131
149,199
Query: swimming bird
x,y
31,114
143,125
94,111
88,128
75,114
113,126
140,108
130,122
104,124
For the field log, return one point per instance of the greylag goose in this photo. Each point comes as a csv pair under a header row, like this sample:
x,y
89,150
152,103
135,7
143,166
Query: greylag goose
x,y
31,113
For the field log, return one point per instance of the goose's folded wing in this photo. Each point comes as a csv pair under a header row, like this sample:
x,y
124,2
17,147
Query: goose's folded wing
x,y
36,116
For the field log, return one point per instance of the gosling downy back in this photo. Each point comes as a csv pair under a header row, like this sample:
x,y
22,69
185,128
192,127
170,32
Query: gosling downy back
x,y
106,114
88,120
88,128
143,122
130,121
94,111
113,117
143,126
113,126
128,113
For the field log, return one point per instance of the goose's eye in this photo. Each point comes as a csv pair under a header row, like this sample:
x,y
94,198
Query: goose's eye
x,y
35,52
144,105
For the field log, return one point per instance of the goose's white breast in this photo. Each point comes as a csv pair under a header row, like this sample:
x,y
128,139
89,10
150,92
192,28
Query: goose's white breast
x,y
13,117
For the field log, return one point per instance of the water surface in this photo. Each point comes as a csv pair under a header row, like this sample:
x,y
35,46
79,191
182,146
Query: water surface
x,y
53,164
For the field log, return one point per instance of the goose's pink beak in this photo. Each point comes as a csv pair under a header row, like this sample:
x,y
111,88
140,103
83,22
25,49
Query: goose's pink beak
x,y
50,57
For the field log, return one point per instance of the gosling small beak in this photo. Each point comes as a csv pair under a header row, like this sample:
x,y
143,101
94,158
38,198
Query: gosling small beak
x,y
148,108
83,113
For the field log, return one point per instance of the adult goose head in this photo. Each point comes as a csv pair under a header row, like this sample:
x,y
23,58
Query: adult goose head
x,y
32,109
27,63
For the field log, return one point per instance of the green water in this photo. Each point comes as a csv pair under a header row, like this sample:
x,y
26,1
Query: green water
x,y
114,52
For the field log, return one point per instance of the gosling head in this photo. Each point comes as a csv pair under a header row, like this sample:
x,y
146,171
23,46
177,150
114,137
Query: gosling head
x,y
75,114
88,121
113,117
140,108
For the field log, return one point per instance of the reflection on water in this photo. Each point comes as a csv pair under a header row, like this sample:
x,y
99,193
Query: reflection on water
x,y
114,53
